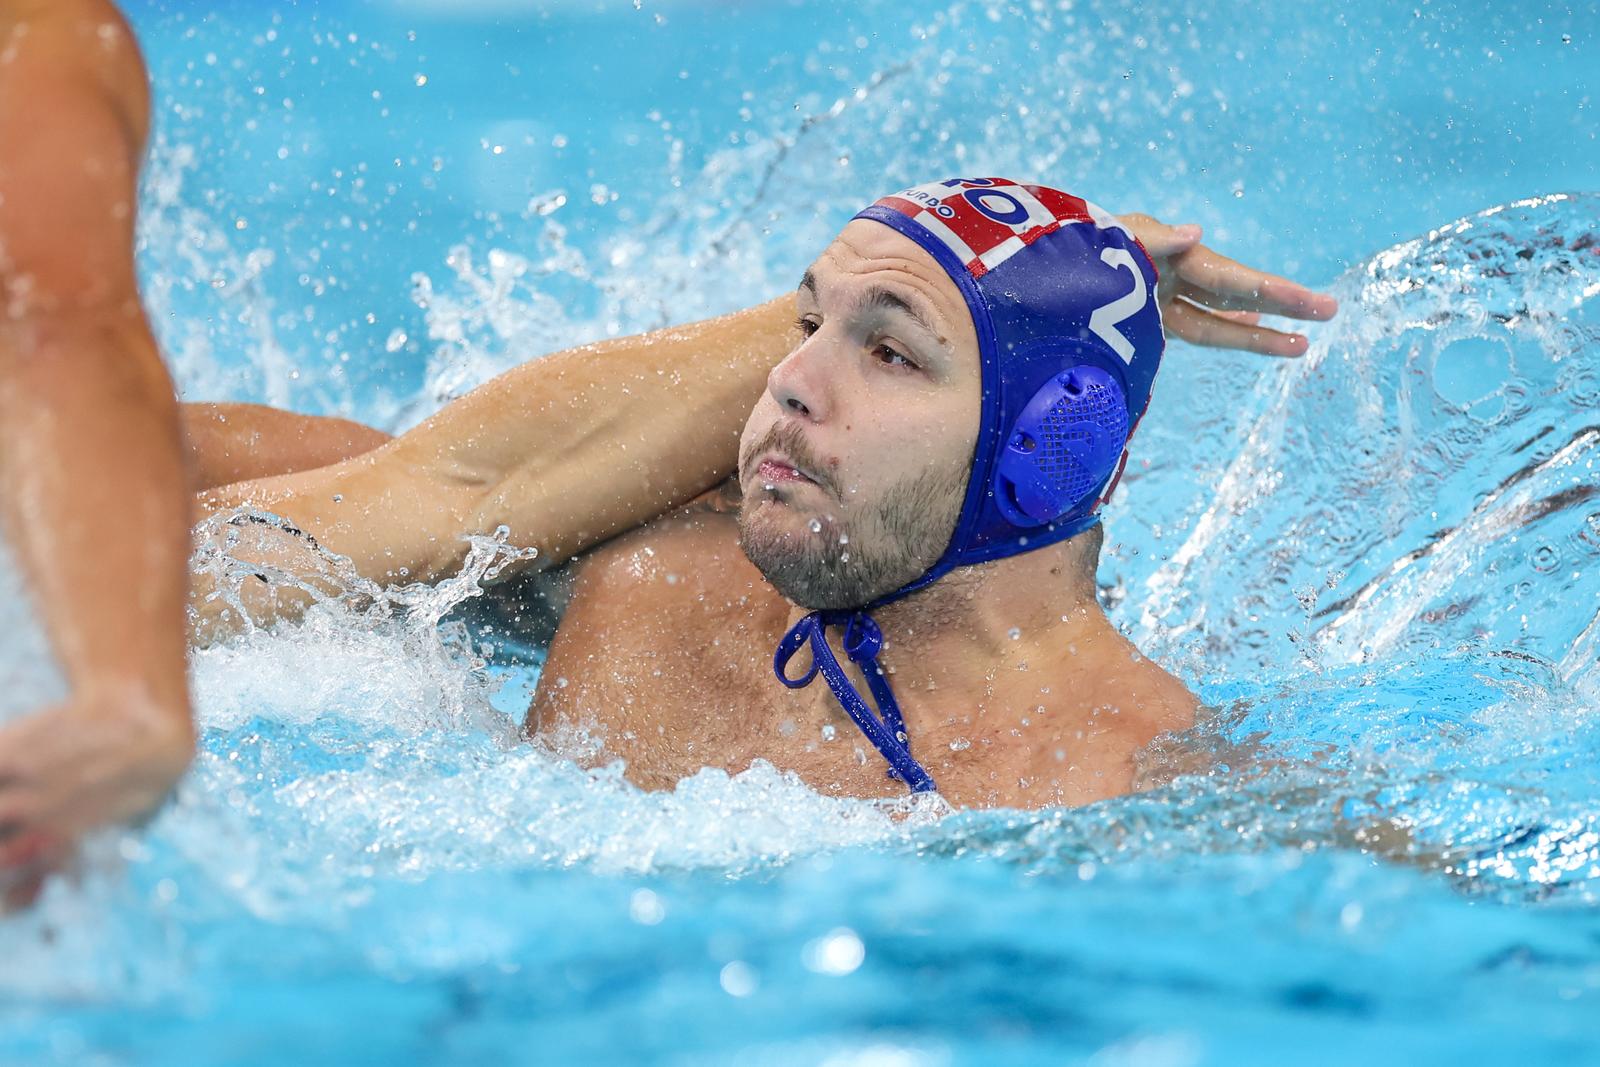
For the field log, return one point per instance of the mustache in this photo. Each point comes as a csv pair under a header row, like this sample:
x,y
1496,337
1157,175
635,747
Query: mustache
x,y
788,438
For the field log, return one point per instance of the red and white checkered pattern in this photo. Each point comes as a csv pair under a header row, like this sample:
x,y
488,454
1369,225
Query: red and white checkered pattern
x,y
975,235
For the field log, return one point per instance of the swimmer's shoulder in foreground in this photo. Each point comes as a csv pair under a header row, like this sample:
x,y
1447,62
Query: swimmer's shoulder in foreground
x,y
912,520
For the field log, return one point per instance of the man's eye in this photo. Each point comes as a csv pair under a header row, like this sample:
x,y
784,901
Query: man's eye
x,y
890,357
806,327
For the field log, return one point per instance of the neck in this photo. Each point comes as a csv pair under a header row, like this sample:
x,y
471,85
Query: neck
x,y
947,646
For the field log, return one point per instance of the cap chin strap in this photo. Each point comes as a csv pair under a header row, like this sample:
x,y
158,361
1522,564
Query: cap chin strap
x,y
863,640
886,729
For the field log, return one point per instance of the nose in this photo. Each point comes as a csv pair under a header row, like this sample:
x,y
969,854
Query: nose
x,y
801,383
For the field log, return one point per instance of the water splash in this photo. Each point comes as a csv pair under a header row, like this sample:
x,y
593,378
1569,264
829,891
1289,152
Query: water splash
x,y
1416,520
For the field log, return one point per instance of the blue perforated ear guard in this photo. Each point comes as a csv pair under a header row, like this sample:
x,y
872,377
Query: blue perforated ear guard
x,y
1063,447
1063,301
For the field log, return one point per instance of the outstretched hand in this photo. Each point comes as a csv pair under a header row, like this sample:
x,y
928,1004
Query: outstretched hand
x,y
1208,299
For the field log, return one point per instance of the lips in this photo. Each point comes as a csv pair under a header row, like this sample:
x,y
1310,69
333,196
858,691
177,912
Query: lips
x,y
776,470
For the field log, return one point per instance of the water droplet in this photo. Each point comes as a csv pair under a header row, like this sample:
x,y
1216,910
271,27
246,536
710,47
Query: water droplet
x,y
828,732
645,907
815,525
547,204
960,744
1015,633
420,80
396,341
844,539
838,952
738,978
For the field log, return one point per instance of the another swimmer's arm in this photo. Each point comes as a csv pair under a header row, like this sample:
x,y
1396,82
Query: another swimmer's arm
x,y
236,442
93,494
565,451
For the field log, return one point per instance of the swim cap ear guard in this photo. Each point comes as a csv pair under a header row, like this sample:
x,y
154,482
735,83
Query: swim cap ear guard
x,y
1064,445
1063,301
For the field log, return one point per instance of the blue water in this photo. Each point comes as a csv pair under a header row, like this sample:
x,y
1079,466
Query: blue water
x,y
1379,563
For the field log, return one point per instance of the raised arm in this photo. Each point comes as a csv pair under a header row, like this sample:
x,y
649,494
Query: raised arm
x,y
230,443
564,451
93,494
571,449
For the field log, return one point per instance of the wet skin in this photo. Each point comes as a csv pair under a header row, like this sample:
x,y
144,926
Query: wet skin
x,y
666,648
1016,689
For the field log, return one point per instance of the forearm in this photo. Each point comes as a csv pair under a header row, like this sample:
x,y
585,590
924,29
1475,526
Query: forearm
x,y
632,428
230,443
565,451
93,496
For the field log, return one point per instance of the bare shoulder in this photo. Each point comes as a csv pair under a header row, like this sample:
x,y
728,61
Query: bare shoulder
x,y
1148,696
679,584
693,550
1166,699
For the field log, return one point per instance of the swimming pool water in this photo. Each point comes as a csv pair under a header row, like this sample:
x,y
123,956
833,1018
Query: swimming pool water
x,y
1378,563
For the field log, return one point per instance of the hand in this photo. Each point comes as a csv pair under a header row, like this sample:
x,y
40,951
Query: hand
x,y
108,755
1210,300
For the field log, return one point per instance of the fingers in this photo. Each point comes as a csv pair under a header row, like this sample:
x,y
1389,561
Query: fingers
x,y
28,860
1219,282
1249,318
30,848
20,891
1229,330
1160,240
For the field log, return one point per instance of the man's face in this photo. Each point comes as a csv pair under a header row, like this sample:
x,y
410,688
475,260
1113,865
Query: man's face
x,y
854,463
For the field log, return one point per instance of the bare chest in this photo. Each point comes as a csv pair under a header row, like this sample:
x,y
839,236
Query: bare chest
x,y
666,658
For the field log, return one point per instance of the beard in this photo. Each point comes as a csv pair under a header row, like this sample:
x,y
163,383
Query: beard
x,y
854,561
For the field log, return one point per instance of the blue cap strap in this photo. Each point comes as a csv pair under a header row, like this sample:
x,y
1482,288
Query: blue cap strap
x,y
862,643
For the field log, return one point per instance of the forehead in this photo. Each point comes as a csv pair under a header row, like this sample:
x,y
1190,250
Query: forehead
x,y
870,254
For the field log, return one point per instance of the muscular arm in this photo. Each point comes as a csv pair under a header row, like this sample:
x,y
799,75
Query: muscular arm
x,y
92,486
565,451
571,449
236,442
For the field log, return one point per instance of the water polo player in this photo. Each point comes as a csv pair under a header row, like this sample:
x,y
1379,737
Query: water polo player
x,y
913,517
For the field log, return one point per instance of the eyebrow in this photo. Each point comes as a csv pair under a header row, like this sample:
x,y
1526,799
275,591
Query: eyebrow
x,y
879,298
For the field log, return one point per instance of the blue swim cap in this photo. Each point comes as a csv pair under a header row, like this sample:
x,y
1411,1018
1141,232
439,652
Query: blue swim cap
x,y
1063,300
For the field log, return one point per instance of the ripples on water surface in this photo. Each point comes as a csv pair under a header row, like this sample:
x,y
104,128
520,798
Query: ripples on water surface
x,y
1377,563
